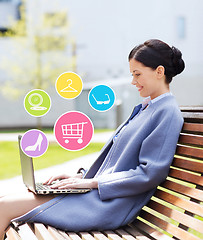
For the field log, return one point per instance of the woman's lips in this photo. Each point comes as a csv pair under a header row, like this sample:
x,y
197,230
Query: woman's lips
x,y
139,88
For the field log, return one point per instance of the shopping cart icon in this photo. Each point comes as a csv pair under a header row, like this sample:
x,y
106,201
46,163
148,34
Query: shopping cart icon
x,y
73,131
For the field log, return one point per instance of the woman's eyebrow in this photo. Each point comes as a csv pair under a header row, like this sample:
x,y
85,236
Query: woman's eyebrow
x,y
135,70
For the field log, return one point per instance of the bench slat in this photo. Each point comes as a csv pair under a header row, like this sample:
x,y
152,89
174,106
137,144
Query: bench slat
x,y
41,232
196,108
179,202
180,217
131,229
64,235
187,191
124,235
112,235
192,115
73,236
193,127
186,176
188,165
12,234
56,234
190,139
98,235
86,236
189,151
191,108
151,232
26,232
168,227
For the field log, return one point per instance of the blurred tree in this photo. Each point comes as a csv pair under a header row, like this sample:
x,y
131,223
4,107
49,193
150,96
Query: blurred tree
x,y
40,50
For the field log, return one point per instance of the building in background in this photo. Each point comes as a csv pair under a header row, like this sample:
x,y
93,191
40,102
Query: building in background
x,y
10,13
105,32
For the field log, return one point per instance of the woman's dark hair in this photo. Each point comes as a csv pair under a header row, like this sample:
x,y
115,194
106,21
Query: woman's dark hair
x,y
154,53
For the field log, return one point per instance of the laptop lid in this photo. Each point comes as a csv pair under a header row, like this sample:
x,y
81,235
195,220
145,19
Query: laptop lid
x,y
27,168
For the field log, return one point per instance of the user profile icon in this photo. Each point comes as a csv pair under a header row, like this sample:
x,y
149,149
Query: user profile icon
x,y
37,103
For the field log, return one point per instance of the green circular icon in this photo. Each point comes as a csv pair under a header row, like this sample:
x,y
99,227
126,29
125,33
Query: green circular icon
x,y
37,102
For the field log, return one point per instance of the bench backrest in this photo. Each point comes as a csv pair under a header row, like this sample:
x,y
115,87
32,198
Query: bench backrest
x,y
176,208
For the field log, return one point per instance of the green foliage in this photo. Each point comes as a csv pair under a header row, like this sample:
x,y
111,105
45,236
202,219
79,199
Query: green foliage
x,y
37,52
55,19
19,27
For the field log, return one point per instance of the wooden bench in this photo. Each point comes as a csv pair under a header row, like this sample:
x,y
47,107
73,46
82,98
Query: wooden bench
x,y
174,212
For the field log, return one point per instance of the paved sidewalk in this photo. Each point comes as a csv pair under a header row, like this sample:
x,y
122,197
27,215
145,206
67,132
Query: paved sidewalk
x,y
97,137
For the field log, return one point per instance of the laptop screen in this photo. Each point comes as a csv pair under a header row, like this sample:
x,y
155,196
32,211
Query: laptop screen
x,y
26,168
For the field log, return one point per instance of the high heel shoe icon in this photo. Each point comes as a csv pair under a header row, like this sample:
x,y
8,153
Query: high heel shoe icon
x,y
37,144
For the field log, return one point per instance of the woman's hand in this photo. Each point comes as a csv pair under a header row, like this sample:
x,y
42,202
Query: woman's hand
x,y
60,177
76,183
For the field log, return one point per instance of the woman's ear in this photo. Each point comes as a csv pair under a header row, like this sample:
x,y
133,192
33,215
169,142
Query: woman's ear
x,y
160,71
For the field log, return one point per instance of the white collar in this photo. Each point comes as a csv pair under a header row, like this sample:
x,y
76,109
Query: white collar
x,y
149,101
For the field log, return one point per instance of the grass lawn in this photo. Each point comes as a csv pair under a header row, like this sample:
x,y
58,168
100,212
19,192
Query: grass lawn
x,y
50,130
10,162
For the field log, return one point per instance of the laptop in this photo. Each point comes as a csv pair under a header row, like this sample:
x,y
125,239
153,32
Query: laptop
x,y
29,178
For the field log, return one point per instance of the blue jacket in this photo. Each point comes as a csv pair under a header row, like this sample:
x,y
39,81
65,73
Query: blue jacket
x,y
128,173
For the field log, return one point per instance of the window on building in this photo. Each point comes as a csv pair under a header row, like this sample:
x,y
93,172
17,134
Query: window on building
x,y
181,27
10,13
58,19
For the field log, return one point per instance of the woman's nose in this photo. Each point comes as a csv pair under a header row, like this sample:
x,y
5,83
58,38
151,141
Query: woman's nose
x,y
134,82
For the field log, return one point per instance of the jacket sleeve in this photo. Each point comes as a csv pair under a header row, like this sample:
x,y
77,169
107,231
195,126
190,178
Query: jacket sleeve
x,y
155,157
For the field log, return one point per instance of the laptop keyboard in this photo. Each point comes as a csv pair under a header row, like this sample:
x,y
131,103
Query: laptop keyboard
x,y
41,186
45,189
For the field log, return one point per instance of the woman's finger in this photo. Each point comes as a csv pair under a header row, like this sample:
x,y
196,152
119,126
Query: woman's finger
x,y
47,181
64,182
58,184
76,183
67,186
55,178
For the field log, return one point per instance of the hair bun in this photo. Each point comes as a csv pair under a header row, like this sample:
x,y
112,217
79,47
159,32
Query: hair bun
x,y
177,61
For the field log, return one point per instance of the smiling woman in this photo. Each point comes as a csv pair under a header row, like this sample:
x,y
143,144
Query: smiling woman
x,y
135,160
153,65
148,81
